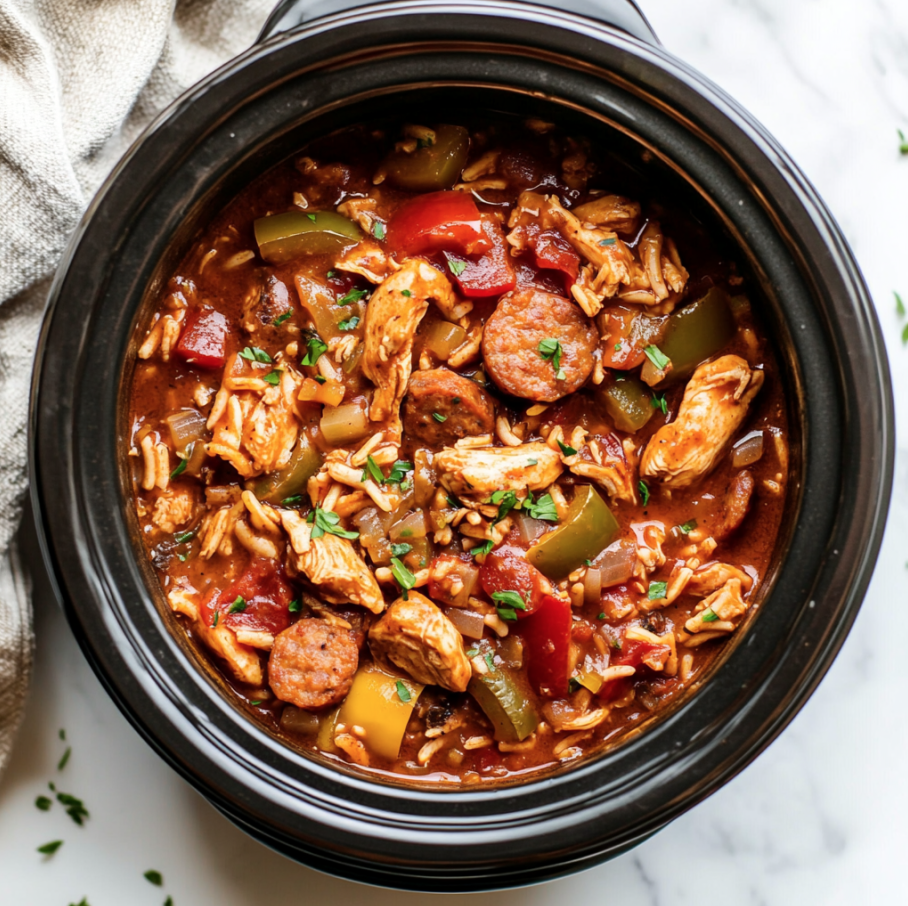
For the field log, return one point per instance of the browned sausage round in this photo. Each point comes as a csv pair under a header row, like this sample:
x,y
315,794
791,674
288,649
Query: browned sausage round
x,y
511,338
312,664
442,407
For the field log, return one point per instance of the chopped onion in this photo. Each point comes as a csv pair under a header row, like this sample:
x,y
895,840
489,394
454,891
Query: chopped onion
x,y
616,563
528,530
442,338
296,720
411,526
592,587
186,427
345,424
424,478
373,525
469,623
511,649
747,450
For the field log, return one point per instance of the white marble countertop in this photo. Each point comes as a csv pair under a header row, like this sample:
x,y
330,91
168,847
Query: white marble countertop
x,y
818,818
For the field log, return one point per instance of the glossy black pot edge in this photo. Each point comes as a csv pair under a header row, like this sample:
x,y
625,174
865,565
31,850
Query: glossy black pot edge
x,y
817,669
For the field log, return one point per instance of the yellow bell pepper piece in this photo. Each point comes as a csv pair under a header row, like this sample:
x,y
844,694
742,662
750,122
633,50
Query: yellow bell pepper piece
x,y
381,704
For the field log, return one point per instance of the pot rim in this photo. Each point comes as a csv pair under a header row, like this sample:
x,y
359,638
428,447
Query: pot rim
x,y
76,563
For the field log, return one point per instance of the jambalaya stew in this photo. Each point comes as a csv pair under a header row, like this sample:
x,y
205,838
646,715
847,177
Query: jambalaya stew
x,y
458,463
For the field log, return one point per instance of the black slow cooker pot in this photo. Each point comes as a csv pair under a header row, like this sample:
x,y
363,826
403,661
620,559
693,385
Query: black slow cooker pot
x,y
629,93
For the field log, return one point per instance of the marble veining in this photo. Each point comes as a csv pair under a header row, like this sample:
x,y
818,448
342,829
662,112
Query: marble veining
x,y
818,818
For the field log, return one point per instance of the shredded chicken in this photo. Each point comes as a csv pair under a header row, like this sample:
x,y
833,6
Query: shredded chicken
x,y
480,472
368,259
716,613
715,404
393,314
612,212
174,508
416,637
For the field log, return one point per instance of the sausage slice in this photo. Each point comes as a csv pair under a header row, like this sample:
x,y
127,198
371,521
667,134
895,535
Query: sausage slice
x,y
442,407
511,338
312,664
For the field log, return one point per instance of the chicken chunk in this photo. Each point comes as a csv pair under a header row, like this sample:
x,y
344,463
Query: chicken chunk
x,y
332,564
480,472
368,259
716,613
392,316
613,212
175,507
715,404
713,576
416,637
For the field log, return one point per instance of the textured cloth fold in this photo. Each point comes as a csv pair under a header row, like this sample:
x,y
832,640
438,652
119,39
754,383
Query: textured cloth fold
x,y
79,80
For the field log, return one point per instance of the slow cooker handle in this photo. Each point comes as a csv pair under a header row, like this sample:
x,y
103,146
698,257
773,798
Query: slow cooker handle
x,y
621,14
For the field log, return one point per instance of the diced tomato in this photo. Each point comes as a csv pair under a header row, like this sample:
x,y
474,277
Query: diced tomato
x,y
631,655
554,252
619,350
439,221
506,569
490,274
528,275
457,582
546,638
266,595
486,759
204,339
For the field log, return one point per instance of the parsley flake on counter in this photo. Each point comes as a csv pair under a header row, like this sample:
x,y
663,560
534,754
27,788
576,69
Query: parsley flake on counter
x,y
404,578
643,488
168,901
543,508
295,606
456,267
566,450
507,604
349,323
62,763
43,803
403,693
154,877
238,606
903,142
899,305
316,348
353,296
550,349
74,807
401,550
84,902
254,354
483,548
439,417
378,230
656,590
62,735
905,334
281,318
326,522
659,359
50,848
658,402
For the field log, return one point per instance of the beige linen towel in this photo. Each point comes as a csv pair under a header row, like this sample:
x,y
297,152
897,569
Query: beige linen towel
x,y
79,80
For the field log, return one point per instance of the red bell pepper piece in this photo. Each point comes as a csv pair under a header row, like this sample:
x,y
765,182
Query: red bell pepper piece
x,y
439,221
546,638
204,339
265,595
485,275
631,655
506,569
554,252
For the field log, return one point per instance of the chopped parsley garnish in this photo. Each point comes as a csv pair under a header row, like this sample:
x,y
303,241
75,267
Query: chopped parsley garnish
x,y
617,347
604,242
182,557
155,877
311,217
709,616
378,230
403,693
330,274
62,734
349,323
404,578
62,763
406,292
688,526
181,465
566,450
281,318
643,488
588,562
456,400
574,684
452,501
255,702
658,402
254,354
399,472
615,643
905,334
182,538
903,142
506,501
238,606
550,349
217,615
489,662
375,473
168,901
326,522
43,803
899,305
656,590
50,848
401,550
659,359
295,606
320,379
353,296
456,267
316,348
439,417
424,143
273,378
543,508
473,652
532,462
74,807
601,616
507,604
483,548
295,500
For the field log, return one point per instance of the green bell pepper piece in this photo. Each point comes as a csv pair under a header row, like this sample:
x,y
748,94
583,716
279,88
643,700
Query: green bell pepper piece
x,y
433,167
283,237
511,711
627,401
305,461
